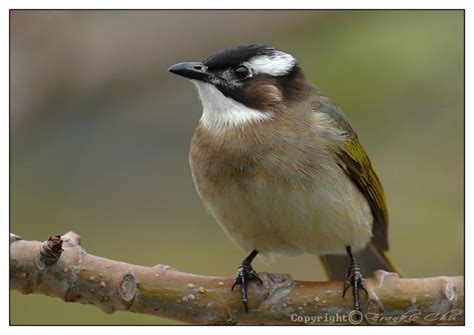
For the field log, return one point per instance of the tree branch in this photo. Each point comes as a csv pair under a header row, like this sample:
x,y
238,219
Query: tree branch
x,y
76,276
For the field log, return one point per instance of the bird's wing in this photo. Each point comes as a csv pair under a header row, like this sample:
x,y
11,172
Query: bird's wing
x,y
356,164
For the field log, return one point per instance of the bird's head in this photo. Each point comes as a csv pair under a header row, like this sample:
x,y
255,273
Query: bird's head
x,y
245,83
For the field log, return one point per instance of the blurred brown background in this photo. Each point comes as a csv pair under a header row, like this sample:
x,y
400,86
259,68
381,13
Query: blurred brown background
x,y
100,133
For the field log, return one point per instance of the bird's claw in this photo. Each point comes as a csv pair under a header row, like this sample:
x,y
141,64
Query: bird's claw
x,y
355,279
245,273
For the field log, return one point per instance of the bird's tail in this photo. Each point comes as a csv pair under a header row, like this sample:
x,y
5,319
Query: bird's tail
x,y
369,260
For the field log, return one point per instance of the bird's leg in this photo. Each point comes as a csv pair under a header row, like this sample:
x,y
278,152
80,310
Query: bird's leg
x,y
245,272
354,278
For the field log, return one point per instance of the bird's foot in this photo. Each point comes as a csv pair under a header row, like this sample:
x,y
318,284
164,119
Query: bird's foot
x,y
245,273
355,279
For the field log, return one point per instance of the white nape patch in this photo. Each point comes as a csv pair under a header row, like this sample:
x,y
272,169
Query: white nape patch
x,y
220,112
277,64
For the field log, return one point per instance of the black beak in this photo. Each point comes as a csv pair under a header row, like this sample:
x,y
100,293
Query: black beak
x,y
191,70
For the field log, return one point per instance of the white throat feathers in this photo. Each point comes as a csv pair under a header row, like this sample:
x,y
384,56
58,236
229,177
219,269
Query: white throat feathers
x,y
221,112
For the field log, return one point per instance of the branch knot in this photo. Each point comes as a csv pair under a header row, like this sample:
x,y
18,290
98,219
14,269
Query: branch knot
x,y
50,250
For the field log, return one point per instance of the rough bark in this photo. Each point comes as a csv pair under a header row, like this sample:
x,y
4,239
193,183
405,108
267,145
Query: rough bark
x,y
59,267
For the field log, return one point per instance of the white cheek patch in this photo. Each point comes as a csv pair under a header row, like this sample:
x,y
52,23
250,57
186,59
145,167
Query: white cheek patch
x,y
278,64
221,112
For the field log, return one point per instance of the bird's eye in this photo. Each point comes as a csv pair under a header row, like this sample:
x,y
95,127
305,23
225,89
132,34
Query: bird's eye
x,y
241,72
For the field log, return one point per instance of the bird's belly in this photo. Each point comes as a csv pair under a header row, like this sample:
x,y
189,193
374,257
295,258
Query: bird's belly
x,y
319,217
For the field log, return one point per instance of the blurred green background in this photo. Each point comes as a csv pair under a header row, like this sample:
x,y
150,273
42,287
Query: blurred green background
x,y
100,133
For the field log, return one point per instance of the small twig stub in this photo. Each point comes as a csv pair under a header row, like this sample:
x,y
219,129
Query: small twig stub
x,y
51,250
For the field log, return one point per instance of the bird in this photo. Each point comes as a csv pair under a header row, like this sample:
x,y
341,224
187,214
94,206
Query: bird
x,y
281,169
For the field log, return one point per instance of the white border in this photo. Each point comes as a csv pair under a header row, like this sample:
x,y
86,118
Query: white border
x,y
244,4
204,4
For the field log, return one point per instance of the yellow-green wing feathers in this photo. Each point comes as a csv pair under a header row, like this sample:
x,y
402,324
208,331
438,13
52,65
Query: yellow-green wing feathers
x,y
357,166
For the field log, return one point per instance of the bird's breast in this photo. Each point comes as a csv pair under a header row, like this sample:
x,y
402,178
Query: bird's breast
x,y
278,196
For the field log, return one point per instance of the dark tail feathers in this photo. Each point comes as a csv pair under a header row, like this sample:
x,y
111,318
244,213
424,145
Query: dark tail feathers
x,y
369,260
